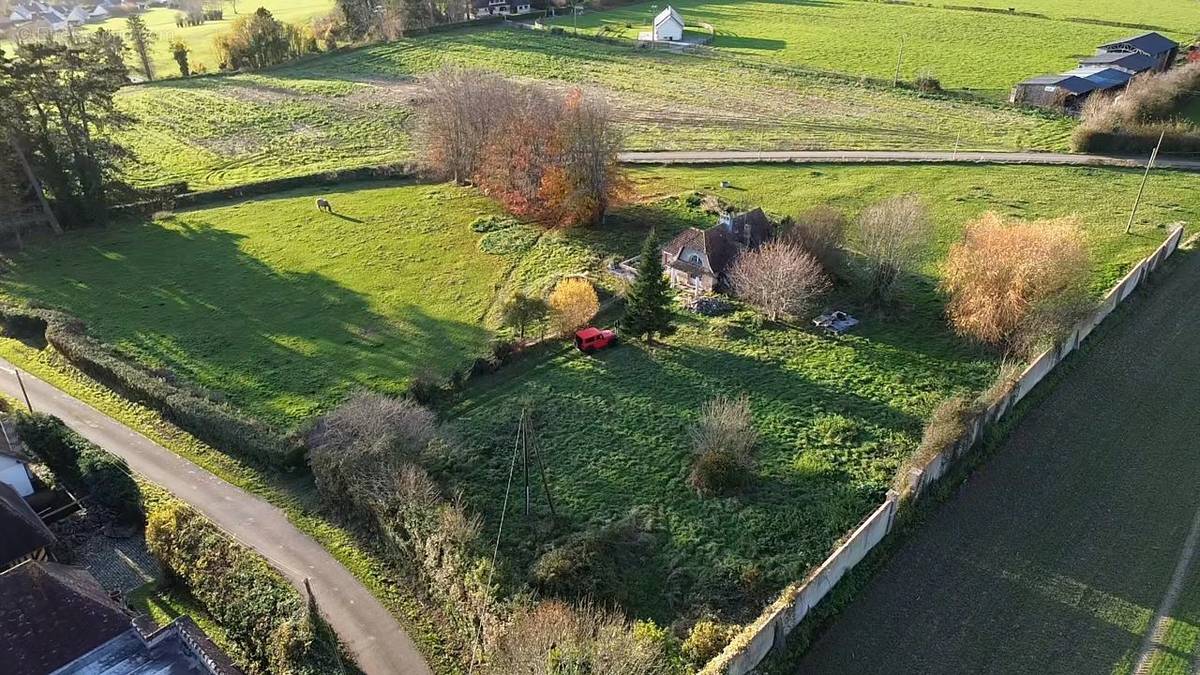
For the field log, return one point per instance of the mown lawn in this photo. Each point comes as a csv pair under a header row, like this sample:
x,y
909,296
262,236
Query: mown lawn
x,y
356,108
984,51
280,308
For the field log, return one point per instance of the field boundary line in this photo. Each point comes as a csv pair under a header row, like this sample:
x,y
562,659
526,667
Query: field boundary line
x,y
1158,625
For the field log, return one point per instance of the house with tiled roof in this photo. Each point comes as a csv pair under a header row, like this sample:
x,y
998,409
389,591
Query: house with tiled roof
x,y
58,619
698,259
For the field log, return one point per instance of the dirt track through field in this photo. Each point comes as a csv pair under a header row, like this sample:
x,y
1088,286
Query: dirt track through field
x,y
1061,550
1158,627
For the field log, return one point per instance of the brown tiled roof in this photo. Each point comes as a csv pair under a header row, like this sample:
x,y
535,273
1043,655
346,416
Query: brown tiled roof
x,y
713,242
21,531
52,614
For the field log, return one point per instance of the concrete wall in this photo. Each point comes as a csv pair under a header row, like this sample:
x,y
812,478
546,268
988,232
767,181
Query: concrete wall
x,y
770,630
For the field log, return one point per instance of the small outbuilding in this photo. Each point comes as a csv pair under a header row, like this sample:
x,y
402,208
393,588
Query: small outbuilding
x,y
1053,91
668,26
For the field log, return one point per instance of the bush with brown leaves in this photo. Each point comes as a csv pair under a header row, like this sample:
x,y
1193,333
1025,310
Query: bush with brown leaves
x,y
1014,284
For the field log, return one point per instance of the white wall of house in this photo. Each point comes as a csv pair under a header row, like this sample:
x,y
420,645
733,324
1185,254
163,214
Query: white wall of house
x,y
13,472
668,27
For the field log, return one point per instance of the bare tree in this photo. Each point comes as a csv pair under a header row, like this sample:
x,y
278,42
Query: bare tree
x,y
779,278
892,234
821,230
462,110
724,439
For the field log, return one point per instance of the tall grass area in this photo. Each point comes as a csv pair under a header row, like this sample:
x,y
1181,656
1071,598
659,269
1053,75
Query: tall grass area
x,y
987,52
355,108
1151,106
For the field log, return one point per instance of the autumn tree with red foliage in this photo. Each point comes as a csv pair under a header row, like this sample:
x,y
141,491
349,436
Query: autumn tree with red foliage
x,y
544,156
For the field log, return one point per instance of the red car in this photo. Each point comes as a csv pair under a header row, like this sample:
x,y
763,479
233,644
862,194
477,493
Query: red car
x,y
593,339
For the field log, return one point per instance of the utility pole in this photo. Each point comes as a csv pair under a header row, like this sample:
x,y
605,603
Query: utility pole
x,y
899,60
37,186
1145,176
23,392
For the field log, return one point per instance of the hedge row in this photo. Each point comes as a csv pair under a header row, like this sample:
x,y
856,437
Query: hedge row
x,y
259,610
83,466
1137,141
215,423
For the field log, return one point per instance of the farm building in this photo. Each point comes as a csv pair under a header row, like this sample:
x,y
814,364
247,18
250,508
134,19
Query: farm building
x,y
1066,92
1130,62
1112,67
698,259
1161,49
668,26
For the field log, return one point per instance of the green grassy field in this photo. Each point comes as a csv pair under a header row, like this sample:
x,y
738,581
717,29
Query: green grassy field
x,y
354,109
161,21
285,312
280,308
1055,554
982,51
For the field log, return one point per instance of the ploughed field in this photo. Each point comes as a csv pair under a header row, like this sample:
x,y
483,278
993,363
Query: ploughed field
x,y
965,48
357,108
285,311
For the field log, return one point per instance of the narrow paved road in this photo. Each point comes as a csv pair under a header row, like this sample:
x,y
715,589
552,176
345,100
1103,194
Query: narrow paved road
x,y
374,637
1060,551
889,156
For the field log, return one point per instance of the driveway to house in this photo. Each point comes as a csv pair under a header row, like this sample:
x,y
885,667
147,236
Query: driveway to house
x,y
377,641
893,157
1074,548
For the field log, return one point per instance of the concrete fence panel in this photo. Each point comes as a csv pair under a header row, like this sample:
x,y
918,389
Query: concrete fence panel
x,y
756,640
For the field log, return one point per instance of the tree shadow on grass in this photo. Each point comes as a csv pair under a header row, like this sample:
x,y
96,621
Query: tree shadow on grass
x,y
280,344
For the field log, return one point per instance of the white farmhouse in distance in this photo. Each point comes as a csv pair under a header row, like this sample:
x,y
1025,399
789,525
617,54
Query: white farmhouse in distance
x,y
668,26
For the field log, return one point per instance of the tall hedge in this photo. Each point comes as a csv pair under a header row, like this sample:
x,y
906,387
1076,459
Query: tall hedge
x,y
83,466
217,424
256,606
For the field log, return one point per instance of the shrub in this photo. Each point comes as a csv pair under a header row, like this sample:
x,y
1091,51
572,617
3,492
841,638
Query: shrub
x,y
109,483
1011,283
425,388
573,303
553,638
1134,120
255,606
521,311
821,231
724,439
83,466
928,83
779,278
706,639
892,235
365,460
946,426
591,565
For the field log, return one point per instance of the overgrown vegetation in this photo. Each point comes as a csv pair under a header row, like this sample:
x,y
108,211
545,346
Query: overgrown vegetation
x,y
257,608
1017,285
104,478
724,440
1148,109
545,156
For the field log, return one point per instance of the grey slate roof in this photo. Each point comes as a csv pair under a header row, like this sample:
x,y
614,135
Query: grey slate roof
x,y
21,531
1132,60
1150,43
1071,83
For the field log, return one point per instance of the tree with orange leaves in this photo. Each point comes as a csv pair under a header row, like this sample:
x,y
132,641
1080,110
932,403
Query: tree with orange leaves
x,y
587,179
1016,284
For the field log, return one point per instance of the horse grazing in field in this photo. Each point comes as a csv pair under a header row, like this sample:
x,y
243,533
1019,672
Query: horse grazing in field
x,y
324,205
